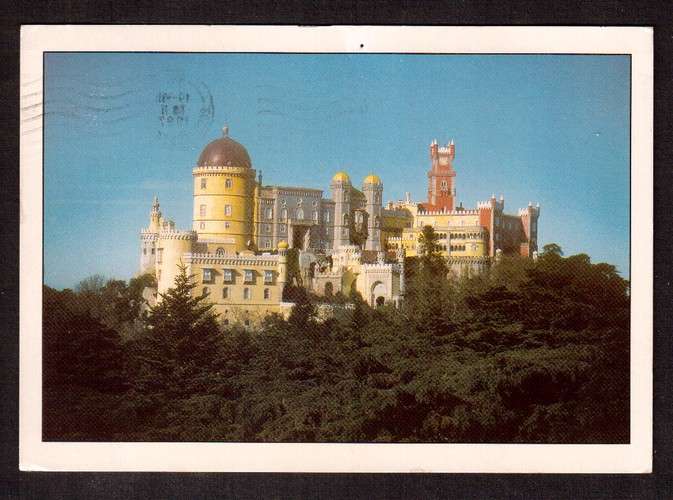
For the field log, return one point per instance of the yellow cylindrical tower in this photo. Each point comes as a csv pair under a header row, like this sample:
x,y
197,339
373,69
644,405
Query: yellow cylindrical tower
x,y
171,246
224,185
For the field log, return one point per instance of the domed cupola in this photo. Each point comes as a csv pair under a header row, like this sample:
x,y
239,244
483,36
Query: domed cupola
x,y
224,152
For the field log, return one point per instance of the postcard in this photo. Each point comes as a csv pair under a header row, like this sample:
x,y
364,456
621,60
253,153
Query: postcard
x,y
336,249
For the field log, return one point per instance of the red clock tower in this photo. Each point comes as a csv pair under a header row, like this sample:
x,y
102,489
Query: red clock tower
x,y
441,177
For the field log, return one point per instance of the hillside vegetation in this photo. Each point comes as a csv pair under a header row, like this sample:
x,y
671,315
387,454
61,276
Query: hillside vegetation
x,y
534,352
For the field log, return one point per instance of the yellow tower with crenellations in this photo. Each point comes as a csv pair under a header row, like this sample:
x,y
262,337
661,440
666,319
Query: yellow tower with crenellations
x,y
224,187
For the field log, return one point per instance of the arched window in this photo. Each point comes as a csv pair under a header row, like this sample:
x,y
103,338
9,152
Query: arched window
x,y
346,219
219,252
227,183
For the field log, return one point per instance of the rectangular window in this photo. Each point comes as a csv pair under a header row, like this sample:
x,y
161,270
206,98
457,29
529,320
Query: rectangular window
x,y
160,255
267,294
269,213
227,225
225,293
249,275
203,183
227,183
282,228
268,277
152,251
246,293
227,210
267,244
202,211
228,275
208,276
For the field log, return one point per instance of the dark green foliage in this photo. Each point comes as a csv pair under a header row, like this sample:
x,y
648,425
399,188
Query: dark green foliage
x,y
533,352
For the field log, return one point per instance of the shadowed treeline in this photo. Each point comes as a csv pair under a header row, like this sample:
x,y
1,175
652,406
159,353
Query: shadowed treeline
x,y
526,352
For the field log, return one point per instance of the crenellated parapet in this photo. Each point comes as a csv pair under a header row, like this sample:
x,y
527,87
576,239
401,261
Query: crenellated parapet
x,y
177,235
422,212
231,260
206,170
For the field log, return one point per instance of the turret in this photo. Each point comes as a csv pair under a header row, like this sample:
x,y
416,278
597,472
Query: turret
x,y
400,255
224,189
441,177
171,246
341,191
373,190
282,266
148,239
529,219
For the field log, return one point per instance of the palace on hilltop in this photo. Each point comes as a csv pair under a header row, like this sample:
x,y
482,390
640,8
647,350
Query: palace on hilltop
x,y
249,240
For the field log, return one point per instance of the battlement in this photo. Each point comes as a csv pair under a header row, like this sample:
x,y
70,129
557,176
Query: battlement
x,y
530,210
422,212
268,260
177,235
148,235
382,267
222,169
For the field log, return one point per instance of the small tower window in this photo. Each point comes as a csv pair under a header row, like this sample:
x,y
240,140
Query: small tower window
x,y
228,275
225,292
227,183
205,291
160,255
152,251
268,277
202,211
283,214
227,225
219,251
246,293
249,275
227,210
144,251
282,228
202,225
267,294
269,213
300,213
267,244
203,183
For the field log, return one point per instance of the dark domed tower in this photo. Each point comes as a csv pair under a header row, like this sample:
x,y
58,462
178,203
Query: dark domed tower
x,y
224,184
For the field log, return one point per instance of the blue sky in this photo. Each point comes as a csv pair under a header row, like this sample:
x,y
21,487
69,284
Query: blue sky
x,y
547,129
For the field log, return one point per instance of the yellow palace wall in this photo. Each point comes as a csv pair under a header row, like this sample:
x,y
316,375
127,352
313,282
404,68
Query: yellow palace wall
x,y
233,307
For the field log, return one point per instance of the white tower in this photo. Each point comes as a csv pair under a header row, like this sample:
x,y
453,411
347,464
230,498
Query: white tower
x,y
341,191
373,190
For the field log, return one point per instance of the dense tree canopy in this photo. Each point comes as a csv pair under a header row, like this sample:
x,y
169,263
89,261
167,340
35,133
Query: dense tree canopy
x,y
528,351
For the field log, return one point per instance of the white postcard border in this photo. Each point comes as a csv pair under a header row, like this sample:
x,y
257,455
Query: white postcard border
x,y
333,457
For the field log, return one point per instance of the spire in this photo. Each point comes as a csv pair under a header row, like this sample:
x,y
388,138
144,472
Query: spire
x,y
155,204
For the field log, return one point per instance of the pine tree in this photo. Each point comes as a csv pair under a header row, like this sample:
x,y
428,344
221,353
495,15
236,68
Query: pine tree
x,y
180,346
